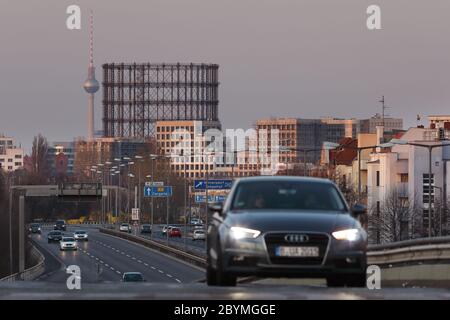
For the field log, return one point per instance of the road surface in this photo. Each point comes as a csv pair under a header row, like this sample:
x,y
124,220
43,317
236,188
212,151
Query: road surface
x,y
105,258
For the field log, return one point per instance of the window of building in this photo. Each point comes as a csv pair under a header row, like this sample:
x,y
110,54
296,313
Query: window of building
x,y
378,179
403,177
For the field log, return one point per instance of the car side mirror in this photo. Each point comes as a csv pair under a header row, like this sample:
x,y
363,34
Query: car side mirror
x,y
216,208
358,210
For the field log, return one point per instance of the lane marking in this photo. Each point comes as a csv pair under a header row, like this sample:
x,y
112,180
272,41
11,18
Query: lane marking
x,y
177,280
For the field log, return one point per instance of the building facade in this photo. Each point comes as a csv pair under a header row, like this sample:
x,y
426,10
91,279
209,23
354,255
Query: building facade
x,y
11,156
61,158
398,187
390,124
185,141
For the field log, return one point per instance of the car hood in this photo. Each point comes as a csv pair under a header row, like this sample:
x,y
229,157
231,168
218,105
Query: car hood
x,y
273,220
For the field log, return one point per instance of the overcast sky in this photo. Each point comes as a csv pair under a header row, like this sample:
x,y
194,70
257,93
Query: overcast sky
x,y
300,58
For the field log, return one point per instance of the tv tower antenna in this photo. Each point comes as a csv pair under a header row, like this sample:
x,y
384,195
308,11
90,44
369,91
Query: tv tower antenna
x,y
91,85
383,110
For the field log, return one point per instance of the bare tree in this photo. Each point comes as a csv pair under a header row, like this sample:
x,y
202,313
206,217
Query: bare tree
x,y
395,219
39,167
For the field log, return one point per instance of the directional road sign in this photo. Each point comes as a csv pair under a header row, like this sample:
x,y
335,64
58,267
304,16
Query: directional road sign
x,y
213,184
157,191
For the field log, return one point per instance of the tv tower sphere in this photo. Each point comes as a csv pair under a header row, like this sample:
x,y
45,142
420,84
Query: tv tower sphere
x,y
91,85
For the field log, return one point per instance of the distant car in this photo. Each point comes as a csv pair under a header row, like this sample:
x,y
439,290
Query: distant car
x,y
196,221
146,228
166,229
174,232
125,227
199,227
60,225
54,236
132,277
35,228
68,243
80,235
199,235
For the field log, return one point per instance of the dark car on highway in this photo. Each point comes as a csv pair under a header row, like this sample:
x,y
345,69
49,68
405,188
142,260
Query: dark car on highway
x,y
35,228
60,225
146,228
54,236
286,227
132,277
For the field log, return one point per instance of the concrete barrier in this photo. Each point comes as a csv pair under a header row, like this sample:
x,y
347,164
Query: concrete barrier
x,y
32,272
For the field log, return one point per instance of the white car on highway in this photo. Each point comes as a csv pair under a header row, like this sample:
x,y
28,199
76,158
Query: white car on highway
x,y
68,243
80,235
125,227
198,235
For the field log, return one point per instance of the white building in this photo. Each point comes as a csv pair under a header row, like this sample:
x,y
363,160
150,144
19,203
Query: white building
x,y
11,157
398,186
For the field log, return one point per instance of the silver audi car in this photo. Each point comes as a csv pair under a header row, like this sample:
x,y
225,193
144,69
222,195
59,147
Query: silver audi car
x,y
286,227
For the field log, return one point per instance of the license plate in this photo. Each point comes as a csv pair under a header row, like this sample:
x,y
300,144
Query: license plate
x,y
297,251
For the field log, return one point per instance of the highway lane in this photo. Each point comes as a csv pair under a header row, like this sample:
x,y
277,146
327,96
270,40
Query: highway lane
x,y
105,258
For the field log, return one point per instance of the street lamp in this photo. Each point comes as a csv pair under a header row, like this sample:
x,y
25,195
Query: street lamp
x,y
430,148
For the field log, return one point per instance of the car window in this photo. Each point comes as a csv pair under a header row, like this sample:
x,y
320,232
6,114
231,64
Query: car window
x,y
287,195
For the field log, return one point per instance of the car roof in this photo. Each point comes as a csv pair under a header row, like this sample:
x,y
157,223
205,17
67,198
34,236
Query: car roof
x,y
80,230
284,178
132,272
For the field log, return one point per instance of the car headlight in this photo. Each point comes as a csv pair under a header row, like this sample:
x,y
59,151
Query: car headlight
x,y
244,233
347,234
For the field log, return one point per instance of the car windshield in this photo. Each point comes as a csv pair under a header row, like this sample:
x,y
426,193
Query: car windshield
x,y
133,277
68,239
55,233
287,195
80,232
34,225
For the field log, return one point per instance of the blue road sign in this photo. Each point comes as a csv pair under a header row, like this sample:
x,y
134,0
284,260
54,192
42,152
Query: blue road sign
x,y
213,184
200,198
155,191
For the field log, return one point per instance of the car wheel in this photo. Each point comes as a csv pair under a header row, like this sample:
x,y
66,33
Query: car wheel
x,y
358,280
211,276
223,278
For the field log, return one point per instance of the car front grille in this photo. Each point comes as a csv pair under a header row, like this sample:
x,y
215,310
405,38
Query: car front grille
x,y
274,240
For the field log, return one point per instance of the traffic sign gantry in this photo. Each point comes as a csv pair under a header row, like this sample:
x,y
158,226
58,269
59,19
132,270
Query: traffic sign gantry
x,y
165,191
213,184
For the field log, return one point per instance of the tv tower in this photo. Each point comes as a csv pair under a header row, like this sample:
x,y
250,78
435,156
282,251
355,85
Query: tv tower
x,y
91,84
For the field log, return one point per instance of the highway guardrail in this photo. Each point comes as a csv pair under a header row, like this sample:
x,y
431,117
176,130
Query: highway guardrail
x,y
410,251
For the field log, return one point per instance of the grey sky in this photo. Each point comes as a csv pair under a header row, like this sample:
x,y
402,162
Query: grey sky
x,y
302,58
